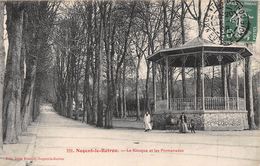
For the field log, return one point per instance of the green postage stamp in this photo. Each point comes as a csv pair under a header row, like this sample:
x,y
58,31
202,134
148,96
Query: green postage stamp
x,y
240,21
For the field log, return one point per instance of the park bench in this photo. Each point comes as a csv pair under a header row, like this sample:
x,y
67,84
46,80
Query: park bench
x,y
172,124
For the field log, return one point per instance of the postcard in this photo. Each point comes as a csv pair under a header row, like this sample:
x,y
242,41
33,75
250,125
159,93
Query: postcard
x,y
129,82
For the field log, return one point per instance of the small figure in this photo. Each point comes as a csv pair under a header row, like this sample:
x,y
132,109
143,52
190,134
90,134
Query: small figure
x,y
183,123
147,122
192,126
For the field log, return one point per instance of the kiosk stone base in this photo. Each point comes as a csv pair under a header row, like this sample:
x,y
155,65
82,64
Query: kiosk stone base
x,y
218,120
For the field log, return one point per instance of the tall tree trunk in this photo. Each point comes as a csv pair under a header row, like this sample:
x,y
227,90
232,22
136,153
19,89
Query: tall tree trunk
x,y
121,97
198,83
29,54
258,99
171,83
86,95
137,89
27,95
220,15
163,67
147,100
36,106
69,99
183,78
2,68
125,108
23,54
229,80
76,97
223,76
212,81
100,66
163,82
116,104
12,103
111,95
183,74
94,98
69,82
123,90
95,76
249,93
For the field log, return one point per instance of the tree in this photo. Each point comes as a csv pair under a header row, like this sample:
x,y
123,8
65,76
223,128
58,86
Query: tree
x,y
200,19
249,93
2,68
86,94
224,79
256,95
139,41
100,55
29,28
151,17
12,94
37,25
130,9
182,17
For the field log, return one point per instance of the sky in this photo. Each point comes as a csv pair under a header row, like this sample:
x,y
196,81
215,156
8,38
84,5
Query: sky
x,y
193,33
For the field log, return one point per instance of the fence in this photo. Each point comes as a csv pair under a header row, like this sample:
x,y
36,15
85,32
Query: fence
x,y
211,103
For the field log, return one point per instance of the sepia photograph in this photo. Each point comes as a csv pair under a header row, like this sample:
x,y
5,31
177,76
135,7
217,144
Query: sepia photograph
x,y
129,83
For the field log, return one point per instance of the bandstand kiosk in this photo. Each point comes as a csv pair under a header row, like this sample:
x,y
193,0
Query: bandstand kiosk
x,y
210,113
